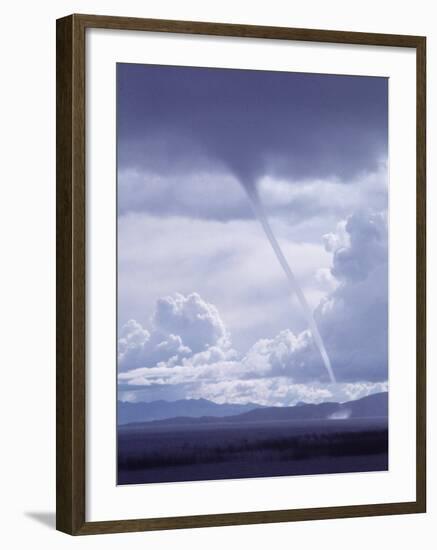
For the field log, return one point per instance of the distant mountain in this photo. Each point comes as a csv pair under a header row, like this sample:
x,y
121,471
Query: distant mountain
x,y
375,405
372,406
192,408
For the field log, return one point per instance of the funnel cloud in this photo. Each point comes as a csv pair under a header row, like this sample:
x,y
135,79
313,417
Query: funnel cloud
x,y
259,212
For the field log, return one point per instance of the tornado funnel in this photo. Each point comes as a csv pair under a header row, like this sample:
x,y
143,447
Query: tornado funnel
x,y
262,218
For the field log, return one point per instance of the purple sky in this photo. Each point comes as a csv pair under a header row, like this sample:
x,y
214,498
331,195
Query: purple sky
x,y
204,309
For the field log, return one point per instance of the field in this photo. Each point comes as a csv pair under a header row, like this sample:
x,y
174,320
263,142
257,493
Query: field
x,y
151,453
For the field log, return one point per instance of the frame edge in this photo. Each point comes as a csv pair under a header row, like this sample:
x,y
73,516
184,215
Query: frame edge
x,y
246,31
421,460
70,278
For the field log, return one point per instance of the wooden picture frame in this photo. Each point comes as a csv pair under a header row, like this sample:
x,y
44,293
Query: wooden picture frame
x,y
71,274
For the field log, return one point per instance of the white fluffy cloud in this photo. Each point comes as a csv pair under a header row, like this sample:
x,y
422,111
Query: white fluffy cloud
x,y
133,344
353,319
278,391
360,247
183,326
197,322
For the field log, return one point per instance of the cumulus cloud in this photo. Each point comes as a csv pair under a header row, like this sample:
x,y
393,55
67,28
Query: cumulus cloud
x,y
353,319
133,344
181,326
360,247
197,322
286,354
337,240
268,358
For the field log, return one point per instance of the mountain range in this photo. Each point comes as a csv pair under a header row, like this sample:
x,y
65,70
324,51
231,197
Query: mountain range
x,y
191,408
202,411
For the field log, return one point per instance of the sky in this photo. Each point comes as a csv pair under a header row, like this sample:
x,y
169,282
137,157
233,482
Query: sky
x,y
204,308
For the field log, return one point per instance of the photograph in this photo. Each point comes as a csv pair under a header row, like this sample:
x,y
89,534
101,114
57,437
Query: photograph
x,y
252,273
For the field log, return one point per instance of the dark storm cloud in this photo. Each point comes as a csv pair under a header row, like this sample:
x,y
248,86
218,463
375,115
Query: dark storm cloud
x,y
178,119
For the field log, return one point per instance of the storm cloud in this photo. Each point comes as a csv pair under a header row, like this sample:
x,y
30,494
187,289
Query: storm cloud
x,y
180,119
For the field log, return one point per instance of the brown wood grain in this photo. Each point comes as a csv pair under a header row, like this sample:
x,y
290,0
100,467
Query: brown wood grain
x,y
421,274
70,277
71,274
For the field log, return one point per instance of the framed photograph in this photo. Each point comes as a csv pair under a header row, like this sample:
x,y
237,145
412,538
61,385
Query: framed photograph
x,y
240,274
